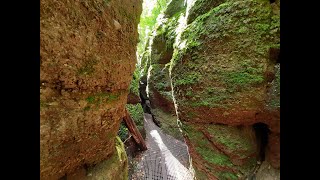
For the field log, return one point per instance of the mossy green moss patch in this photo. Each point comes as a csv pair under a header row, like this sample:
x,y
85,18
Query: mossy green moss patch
x,y
115,166
204,148
242,78
134,85
236,140
200,175
102,97
189,78
226,48
136,113
168,123
233,138
159,77
213,156
123,132
201,7
228,175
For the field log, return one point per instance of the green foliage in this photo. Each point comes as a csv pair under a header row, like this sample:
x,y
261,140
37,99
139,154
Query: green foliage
x,y
228,175
148,21
90,99
231,137
189,93
145,63
213,156
275,22
194,32
202,6
243,78
102,97
243,29
247,75
136,113
213,101
161,85
134,85
262,27
167,29
174,8
190,78
204,147
209,97
123,132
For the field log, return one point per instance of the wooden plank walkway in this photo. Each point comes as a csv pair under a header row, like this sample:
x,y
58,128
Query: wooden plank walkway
x,y
166,157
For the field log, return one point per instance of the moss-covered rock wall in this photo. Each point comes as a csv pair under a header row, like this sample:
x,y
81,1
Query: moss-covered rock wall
x,y
220,61
88,56
225,76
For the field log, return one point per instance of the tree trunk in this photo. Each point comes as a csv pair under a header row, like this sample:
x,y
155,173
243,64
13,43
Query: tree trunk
x,y
134,131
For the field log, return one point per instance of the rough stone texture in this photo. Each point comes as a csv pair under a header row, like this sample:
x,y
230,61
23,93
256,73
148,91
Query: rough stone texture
x,y
87,61
133,99
174,8
157,60
220,151
133,96
159,88
114,167
163,39
227,81
145,60
267,172
200,7
225,70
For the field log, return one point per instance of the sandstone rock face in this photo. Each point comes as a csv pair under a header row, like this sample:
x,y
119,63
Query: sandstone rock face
x,y
87,63
159,88
115,167
220,151
155,66
158,58
134,96
222,72
225,69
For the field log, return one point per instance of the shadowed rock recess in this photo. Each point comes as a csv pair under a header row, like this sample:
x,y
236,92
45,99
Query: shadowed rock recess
x,y
201,81
88,56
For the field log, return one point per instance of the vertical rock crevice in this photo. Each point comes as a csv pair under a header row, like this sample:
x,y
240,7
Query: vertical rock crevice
x,y
262,137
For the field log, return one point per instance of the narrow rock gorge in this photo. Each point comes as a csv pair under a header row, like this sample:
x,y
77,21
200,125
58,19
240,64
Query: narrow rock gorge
x,y
199,78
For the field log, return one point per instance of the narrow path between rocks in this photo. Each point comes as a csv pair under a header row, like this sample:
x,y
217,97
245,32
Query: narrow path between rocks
x,y
166,158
